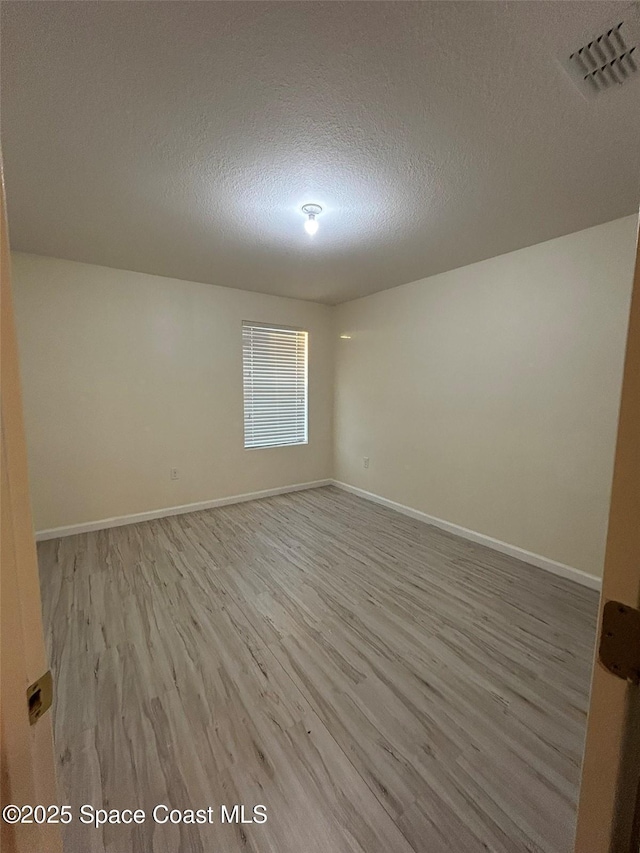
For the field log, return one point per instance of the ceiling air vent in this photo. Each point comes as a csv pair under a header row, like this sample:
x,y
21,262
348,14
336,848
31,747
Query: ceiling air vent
x,y
607,61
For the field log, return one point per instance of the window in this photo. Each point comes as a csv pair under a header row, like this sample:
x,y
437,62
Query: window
x,y
274,361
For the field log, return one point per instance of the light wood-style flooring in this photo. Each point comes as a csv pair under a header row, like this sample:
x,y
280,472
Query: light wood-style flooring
x,y
380,685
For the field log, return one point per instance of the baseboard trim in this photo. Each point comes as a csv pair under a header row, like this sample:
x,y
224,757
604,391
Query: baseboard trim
x,y
122,520
538,560
560,569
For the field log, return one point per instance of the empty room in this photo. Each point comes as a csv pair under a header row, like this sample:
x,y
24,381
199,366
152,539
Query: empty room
x,y
320,427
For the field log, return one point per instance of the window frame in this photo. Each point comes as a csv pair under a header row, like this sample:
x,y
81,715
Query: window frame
x,y
276,327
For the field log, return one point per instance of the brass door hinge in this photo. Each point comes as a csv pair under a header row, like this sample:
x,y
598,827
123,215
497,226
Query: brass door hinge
x,y
619,648
39,697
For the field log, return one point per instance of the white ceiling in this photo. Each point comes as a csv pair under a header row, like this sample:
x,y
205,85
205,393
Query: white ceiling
x,y
182,138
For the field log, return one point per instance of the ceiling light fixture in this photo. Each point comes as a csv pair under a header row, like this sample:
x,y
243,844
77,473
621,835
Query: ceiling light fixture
x,y
311,210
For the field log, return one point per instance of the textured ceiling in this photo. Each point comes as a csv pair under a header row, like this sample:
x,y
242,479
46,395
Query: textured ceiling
x,y
182,138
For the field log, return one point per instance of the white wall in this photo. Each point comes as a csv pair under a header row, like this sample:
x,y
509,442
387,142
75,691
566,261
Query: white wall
x,y
488,396
127,375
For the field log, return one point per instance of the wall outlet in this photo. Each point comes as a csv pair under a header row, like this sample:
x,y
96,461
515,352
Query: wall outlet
x,y
174,474
365,461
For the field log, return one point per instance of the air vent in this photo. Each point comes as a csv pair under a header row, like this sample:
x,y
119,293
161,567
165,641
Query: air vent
x,y
607,61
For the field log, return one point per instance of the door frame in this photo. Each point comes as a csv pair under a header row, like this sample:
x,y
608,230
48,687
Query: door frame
x,y
608,811
27,754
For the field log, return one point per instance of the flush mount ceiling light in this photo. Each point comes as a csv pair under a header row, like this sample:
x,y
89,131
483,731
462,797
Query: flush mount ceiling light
x,y
311,210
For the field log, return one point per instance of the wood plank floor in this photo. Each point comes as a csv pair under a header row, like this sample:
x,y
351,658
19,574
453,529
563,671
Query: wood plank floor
x,y
379,685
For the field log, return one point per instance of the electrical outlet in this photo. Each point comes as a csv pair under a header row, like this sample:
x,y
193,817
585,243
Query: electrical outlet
x,y
174,474
365,461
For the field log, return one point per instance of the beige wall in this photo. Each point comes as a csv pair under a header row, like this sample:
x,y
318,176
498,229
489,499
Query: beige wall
x,y
488,396
127,375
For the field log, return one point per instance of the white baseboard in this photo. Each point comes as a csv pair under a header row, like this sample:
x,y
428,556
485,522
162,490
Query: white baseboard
x,y
121,520
541,562
552,566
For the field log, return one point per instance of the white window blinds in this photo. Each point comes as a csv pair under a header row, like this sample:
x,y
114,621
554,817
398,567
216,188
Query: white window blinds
x,y
275,385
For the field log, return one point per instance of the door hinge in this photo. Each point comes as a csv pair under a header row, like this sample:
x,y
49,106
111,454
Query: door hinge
x,y
619,648
39,697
